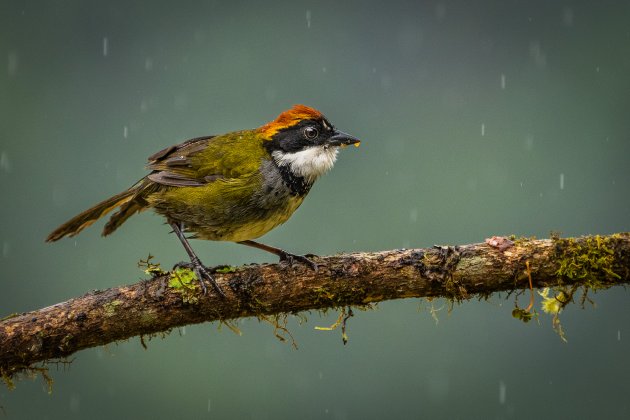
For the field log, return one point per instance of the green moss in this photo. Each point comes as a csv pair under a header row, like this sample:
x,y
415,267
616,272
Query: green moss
x,y
9,375
184,281
111,307
588,259
523,314
323,296
150,268
588,263
13,315
8,379
456,292
225,269
339,301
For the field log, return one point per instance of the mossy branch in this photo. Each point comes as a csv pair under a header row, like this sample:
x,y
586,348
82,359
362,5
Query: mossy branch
x,y
170,300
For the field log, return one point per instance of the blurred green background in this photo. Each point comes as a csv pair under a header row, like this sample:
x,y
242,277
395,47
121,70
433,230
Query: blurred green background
x,y
477,119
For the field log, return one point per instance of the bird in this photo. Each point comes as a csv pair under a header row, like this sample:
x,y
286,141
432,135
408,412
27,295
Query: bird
x,y
231,187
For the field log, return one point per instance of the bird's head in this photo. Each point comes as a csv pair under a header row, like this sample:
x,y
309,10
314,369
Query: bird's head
x,y
303,140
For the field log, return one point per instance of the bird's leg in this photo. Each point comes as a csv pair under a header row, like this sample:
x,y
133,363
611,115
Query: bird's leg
x,y
199,269
284,255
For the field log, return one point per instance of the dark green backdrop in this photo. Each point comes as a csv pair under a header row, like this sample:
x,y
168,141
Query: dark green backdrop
x,y
477,119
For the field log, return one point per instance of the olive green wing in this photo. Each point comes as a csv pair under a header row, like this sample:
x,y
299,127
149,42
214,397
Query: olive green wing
x,y
201,160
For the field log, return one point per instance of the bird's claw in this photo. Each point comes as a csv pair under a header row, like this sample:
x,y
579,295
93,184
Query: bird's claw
x,y
202,274
290,259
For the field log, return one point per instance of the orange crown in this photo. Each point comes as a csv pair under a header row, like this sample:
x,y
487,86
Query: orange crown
x,y
289,118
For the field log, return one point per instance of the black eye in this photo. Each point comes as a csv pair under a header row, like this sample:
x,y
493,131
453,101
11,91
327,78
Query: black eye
x,y
311,132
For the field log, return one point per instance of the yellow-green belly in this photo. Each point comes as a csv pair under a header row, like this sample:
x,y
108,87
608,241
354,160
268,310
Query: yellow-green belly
x,y
227,210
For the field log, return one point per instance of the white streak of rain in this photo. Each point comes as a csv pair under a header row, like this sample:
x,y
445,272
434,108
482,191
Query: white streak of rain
x,y
502,392
567,16
75,403
413,215
12,63
5,163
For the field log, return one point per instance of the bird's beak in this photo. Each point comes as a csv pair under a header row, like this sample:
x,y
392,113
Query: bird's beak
x,y
342,139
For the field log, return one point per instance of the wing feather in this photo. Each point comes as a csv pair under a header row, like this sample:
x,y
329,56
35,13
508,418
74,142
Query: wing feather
x,y
202,160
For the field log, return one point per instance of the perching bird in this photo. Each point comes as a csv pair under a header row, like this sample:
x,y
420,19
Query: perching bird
x,y
233,187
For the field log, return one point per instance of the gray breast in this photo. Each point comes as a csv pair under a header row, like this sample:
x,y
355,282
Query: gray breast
x,y
297,185
275,191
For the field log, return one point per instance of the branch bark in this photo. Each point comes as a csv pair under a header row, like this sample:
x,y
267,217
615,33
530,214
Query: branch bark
x,y
164,302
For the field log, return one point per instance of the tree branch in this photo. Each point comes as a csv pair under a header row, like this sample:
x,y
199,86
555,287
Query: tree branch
x,y
171,300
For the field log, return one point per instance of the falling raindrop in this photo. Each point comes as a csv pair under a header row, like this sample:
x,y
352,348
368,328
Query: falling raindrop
x,y
413,215
12,63
502,392
618,335
567,16
503,81
75,401
5,163
105,46
308,18
125,131
537,54
562,181
483,129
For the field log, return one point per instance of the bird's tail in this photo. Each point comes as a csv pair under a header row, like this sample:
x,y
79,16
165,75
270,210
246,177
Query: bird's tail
x,y
129,201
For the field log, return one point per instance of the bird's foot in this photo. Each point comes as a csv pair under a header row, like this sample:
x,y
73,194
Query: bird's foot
x,y
292,258
202,274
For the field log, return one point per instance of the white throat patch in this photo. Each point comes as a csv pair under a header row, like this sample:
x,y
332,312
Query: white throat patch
x,y
309,163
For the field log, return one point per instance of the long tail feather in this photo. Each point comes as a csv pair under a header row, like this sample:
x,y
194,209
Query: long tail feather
x,y
79,222
127,210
